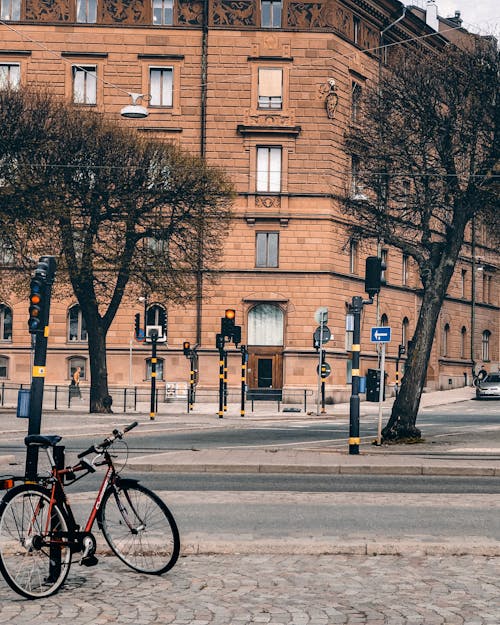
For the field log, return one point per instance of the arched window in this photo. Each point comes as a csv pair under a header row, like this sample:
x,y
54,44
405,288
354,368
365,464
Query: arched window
x,y
156,315
4,367
77,329
446,336
265,325
5,323
463,342
384,320
486,345
159,369
73,363
405,327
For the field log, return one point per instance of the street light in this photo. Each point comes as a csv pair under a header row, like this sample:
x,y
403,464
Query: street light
x,y
135,110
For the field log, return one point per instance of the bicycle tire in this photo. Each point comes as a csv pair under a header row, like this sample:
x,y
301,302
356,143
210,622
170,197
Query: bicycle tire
x,y
139,528
35,556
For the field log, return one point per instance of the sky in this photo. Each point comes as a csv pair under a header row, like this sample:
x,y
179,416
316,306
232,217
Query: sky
x,y
479,16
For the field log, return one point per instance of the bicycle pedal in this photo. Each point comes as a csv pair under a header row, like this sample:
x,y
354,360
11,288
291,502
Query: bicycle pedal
x,y
89,561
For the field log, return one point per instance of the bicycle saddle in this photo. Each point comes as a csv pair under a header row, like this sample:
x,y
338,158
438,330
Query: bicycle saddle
x,y
42,441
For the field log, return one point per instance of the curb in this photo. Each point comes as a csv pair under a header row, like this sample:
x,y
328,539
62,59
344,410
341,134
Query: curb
x,y
365,469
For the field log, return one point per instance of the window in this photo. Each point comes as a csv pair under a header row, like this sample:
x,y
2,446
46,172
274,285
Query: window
x,y
271,13
77,329
161,86
6,253
384,321
163,12
486,345
270,88
10,75
266,249
463,342
269,169
5,323
405,326
265,325
486,289
463,282
84,84
404,270
4,367
356,187
356,100
353,256
446,337
356,26
74,363
159,369
86,11
10,10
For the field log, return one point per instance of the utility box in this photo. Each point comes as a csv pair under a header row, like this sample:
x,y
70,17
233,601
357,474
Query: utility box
x,y
373,385
23,403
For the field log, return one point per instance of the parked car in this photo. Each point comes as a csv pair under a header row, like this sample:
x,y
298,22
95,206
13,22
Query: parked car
x,y
489,387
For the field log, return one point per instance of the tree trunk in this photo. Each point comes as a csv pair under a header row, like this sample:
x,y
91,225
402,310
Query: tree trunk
x,y
99,394
401,425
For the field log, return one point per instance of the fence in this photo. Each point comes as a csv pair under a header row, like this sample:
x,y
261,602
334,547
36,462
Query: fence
x,y
138,398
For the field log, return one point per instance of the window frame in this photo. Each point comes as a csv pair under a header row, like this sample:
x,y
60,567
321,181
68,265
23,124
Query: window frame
x,y
73,363
274,103
9,16
163,69
89,12
87,72
356,95
271,259
273,6
80,323
6,311
485,345
264,182
4,364
446,340
354,256
404,269
160,369
463,342
8,78
166,7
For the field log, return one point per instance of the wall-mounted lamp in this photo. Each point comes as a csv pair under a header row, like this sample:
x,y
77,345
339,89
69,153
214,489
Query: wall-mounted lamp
x,y
332,98
135,110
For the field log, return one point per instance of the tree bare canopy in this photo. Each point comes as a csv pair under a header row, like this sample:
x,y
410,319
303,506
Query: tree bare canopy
x,y
427,140
119,212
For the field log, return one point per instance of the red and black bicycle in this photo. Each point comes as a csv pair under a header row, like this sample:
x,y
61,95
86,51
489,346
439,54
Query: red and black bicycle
x,y
39,533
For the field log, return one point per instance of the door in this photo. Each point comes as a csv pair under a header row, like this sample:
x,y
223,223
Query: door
x,y
265,372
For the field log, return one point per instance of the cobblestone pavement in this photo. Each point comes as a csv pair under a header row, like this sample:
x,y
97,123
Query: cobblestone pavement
x,y
272,590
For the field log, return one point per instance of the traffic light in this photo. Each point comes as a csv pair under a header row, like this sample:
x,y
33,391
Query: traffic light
x,y
219,341
237,335
37,308
186,348
137,325
227,323
373,275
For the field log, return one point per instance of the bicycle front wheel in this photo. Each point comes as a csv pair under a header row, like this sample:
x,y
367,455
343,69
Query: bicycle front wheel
x,y
139,528
35,556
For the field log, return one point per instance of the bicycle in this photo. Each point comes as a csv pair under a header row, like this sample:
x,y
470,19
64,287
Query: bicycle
x,y
39,533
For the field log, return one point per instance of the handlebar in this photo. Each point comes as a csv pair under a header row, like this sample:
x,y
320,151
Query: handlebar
x,y
107,442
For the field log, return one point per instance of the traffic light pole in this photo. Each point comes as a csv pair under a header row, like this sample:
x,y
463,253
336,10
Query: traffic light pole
x,y
381,394
152,409
221,382
354,438
46,270
244,359
191,381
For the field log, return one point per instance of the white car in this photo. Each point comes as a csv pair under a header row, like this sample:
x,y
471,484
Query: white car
x,y
489,387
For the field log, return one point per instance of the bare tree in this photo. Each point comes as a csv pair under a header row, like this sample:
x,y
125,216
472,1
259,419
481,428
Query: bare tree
x,y
428,138
120,213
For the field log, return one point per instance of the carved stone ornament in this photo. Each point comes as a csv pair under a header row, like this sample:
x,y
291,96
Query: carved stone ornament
x,y
268,201
124,11
268,119
48,10
190,12
234,13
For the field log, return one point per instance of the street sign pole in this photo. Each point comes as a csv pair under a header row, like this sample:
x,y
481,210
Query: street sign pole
x,y
320,352
354,438
381,394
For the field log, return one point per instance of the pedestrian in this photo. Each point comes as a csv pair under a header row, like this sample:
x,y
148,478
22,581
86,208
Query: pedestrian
x,y
75,382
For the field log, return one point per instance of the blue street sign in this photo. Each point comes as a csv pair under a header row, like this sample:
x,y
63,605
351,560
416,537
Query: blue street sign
x,y
380,335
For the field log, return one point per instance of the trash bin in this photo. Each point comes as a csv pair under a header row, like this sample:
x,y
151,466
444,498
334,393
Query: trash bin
x,y
23,403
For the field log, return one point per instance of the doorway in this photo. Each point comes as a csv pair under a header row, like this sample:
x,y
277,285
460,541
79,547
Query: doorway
x,y
265,372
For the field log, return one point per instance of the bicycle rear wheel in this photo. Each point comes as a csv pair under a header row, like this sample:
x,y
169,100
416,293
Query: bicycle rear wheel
x,y
139,528
35,556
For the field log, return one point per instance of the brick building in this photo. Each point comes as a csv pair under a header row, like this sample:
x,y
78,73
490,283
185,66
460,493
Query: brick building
x,y
264,90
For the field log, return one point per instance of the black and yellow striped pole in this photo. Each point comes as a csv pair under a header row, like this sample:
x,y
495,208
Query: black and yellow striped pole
x,y
354,438
38,325
244,360
153,335
225,380
219,343
191,381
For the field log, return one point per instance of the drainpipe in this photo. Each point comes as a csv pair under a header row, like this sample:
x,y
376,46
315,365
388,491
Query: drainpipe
x,y
203,136
473,296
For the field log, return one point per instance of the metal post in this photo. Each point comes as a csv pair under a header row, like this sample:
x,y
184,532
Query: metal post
x,y
381,395
225,381
244,358
320,352
125,399
221,383
323,410
354,439
191,382
152,411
